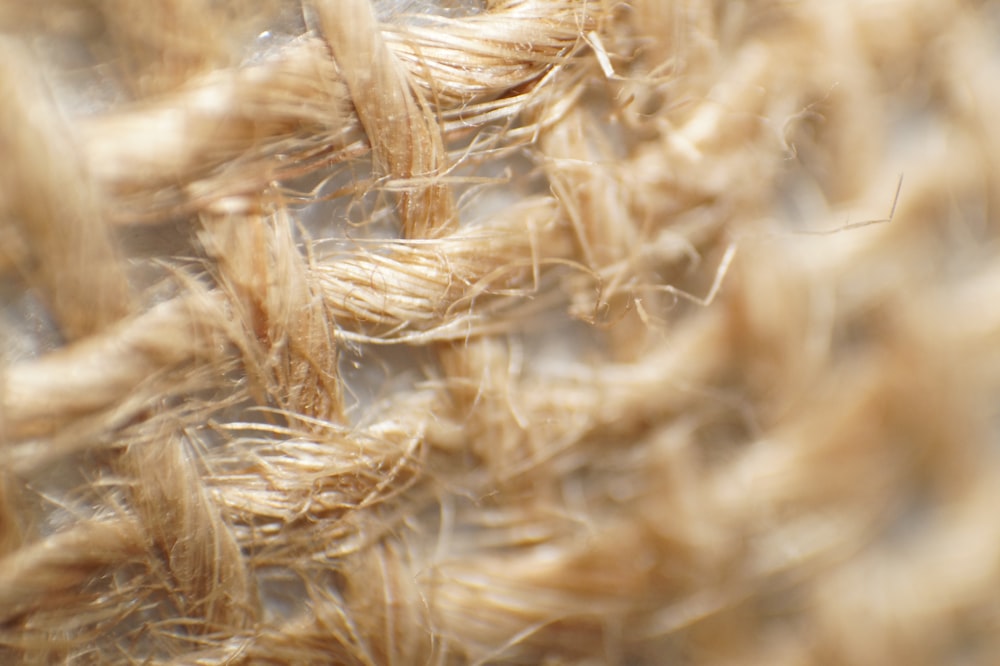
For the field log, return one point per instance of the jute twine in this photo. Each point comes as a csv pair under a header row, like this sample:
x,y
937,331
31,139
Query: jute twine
x,y
512,331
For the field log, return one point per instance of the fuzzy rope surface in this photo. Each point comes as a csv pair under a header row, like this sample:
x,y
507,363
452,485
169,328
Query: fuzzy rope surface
x,y
506,331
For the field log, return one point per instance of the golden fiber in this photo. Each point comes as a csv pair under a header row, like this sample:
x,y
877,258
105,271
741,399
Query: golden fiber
x,y
499,332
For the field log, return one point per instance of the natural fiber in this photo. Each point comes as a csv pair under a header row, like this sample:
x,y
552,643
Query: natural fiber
x,y
513,331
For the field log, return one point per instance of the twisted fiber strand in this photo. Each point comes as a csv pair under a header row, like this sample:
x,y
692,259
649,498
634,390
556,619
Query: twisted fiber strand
x,y
52,225
577,468
295,112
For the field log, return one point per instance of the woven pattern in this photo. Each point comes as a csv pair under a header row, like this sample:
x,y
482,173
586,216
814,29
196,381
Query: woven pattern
x,y
514,331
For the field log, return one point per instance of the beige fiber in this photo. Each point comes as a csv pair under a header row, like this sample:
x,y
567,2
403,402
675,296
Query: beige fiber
x,y
500,332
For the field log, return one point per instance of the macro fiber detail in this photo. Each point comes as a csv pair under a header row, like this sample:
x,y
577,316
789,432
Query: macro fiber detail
x,y
390,332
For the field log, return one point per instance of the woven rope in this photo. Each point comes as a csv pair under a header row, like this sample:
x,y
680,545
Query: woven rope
x,y
521,331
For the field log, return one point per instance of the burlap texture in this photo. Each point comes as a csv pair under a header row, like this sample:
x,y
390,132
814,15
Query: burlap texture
x,y
513,331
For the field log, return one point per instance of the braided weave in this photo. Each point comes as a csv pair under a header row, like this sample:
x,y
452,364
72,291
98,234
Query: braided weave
x,y
507,331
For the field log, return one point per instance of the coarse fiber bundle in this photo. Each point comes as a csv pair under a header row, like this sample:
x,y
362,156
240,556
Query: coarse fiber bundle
x,y
500,332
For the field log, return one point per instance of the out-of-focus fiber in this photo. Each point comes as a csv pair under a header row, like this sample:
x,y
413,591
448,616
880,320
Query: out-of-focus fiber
x,y
513,331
